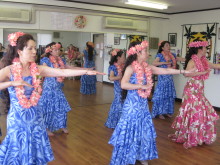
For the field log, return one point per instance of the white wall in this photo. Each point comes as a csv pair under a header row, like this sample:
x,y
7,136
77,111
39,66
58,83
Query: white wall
x,y
1,36
212,90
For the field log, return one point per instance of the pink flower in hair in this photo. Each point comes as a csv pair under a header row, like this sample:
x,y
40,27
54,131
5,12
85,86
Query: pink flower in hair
x,y
160,42
115,52
58,46
48,49
13,37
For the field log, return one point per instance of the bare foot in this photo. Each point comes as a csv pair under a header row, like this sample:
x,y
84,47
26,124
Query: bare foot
x,y
161,117
170,116
65,130
50,133
144,162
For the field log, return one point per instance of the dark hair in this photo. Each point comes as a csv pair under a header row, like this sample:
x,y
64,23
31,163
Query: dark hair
x,y
49,45
90,51
192,50
61,46
12,50
162,45
128,62
115,58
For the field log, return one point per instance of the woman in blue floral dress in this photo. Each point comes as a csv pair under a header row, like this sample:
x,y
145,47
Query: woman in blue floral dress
x,y
165,93
26,141
53,100
134,137
88,83
115,72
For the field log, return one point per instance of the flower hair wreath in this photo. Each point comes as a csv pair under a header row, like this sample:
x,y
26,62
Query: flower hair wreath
x,y
137,48
197,44
50,48
114,52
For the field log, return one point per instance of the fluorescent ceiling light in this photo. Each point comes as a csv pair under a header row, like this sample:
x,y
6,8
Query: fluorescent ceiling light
x,y
146,4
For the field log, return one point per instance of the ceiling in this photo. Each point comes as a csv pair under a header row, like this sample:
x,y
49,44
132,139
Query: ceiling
x,y
174,6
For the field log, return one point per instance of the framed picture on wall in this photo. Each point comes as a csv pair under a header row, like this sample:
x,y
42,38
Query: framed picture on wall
x,y
172,39
116,40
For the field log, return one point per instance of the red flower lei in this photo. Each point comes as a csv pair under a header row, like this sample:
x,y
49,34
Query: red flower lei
x,y
57,63
140,70
169,57
36,93
202,65
119,68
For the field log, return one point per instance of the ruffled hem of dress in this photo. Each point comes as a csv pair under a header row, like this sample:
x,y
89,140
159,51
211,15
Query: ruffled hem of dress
x,y
195,127
163,106
114,113
11,152
136,142
88,89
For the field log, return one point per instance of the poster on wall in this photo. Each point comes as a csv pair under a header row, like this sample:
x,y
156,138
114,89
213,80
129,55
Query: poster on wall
x,y
202,32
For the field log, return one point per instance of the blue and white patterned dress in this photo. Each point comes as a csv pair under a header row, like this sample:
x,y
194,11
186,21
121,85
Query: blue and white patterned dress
x,y
88,82
116,106
134,137
164,94
54,102
26,141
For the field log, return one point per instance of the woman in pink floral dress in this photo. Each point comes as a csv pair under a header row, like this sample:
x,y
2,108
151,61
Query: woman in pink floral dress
x,y
196,122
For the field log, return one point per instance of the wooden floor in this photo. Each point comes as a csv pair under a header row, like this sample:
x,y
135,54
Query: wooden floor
x,y
87,142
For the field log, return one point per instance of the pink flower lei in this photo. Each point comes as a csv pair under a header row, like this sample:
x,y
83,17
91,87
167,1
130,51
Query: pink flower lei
x,y
57,63
36,93
13,37
202,65
119,68
137,48
197,44
169,56
140,70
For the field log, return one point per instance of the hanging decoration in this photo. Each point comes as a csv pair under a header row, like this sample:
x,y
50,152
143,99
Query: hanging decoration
x,y
200,32
80,21
136,38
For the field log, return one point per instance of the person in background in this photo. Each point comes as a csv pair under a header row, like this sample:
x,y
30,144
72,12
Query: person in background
x,y
165,93
115,73
2,50
88,83
195,123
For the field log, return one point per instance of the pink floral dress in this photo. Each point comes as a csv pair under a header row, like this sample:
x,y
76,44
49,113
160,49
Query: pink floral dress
x,y
196,122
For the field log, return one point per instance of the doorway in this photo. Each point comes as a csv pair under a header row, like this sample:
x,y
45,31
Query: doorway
x,y
98,40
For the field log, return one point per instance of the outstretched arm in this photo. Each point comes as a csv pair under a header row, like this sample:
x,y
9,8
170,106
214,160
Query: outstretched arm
x,y
54,72
162,71
214,66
